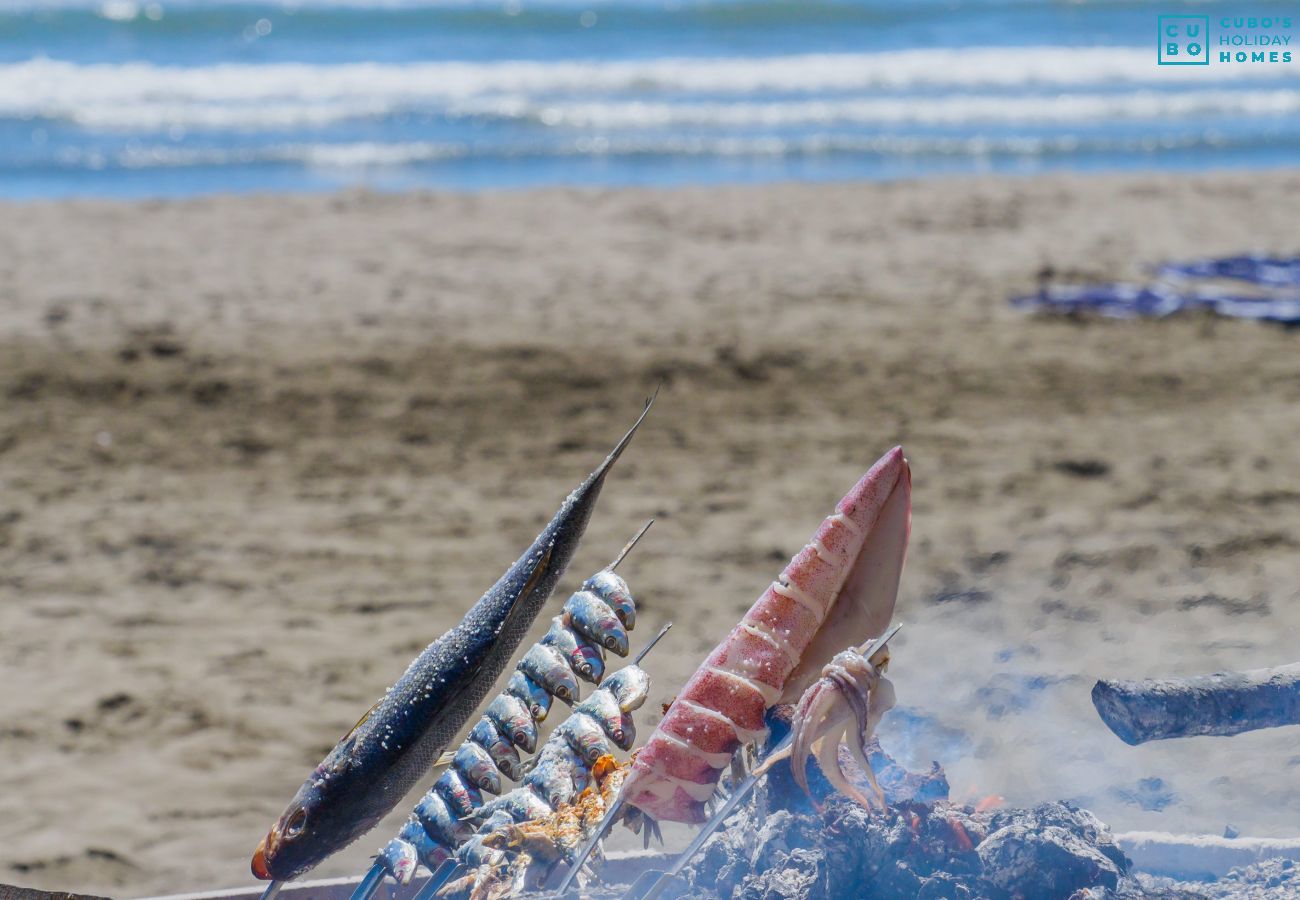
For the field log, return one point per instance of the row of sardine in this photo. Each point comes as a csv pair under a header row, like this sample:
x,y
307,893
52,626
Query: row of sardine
x,y
594,619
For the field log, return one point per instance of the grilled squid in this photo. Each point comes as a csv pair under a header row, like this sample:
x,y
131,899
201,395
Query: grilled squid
x,y
839,590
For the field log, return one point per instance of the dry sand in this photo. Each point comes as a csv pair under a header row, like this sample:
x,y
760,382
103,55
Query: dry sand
x,y
256,452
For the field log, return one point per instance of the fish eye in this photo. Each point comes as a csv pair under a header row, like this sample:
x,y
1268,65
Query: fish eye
x,y
297,822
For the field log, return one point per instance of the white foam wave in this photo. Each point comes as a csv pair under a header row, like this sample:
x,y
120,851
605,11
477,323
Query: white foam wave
x,y
364,155
131,93
637,114
973,109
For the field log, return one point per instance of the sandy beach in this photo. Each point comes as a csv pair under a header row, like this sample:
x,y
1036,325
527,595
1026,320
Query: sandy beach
x,y
256,452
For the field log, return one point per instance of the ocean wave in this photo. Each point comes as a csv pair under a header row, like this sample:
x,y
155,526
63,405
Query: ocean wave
x,y
974,109
96,93
371,155
963,110
183,7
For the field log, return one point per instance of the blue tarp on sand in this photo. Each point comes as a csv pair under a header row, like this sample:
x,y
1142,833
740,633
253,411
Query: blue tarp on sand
x,y
1179,292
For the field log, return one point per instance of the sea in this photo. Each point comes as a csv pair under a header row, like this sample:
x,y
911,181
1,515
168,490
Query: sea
x,y
140,98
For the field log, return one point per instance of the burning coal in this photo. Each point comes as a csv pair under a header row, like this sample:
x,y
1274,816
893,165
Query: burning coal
x,y
922,845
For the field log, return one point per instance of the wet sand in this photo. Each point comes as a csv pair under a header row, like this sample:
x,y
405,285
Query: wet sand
x,y
257,452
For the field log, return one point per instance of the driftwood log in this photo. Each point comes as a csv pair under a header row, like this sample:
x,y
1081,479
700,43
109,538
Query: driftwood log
x,y
1223,704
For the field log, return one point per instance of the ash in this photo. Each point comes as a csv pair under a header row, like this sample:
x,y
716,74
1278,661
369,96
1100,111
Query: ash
x,y
913,850
923,847
1272,879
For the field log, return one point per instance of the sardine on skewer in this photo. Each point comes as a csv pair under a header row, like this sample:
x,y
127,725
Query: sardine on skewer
x,y
560,769
374,765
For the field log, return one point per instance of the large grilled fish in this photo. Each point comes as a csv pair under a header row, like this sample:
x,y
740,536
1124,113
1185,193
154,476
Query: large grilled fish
x,y
397,741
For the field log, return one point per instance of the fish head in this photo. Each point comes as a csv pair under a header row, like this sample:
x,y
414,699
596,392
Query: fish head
x,y
630,686
279,855
522,728
623,732
314,824
399,858
587,662
591,742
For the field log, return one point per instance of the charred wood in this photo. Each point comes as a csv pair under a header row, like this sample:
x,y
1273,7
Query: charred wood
x,y
1223,704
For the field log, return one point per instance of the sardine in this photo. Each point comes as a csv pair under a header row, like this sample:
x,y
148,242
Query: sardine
x,y
521,804
532,693
593,618
430,852
614,591
460,796
512,718
503,753
439,822
548,667
584,657
476,765
376,763
556,773
630,686
603,708
399,859
585,737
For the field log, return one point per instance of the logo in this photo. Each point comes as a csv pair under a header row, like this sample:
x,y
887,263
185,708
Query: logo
x,y
1240,40
1183,41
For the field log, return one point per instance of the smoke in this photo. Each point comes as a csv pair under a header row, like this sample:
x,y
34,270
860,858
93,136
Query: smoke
x,y
1002,701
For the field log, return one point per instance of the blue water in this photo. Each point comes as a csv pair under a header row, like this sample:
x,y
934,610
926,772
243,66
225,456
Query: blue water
x,y
129,98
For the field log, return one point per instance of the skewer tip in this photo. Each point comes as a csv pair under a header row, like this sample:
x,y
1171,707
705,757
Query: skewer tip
x,y
627,548
650,646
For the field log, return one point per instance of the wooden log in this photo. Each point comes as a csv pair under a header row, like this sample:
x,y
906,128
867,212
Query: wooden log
x,y
1223,704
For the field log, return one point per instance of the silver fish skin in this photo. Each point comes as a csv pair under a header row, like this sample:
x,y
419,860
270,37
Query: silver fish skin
x,y
400,859
438,821
503,753
430,851
555,776
585,658
521,804
473,854
614,591
477,767
461,797
375,764
586,737
548,667
512,718
603,708
593,618
532,693
630,686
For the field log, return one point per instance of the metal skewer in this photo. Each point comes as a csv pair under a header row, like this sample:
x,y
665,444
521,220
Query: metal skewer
x,y
627,548
374,878
272,889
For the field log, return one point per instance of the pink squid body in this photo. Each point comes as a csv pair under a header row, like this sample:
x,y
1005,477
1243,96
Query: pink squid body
x,y
838,591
